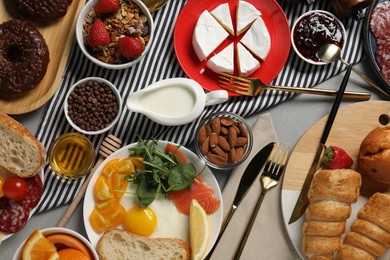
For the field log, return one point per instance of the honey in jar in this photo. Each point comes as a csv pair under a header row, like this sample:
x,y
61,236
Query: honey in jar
x,y
71,156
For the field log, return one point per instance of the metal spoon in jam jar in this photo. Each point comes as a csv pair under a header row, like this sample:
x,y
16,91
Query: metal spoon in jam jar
x,y
331,52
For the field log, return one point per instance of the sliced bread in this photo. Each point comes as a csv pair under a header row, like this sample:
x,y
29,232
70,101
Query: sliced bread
x,y
20,152
119,244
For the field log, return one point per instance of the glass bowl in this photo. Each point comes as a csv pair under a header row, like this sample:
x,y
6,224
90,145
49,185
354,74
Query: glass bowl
x,y
223,140
71,156
316,28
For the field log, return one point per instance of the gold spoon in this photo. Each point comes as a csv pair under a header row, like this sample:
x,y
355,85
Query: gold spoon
x,y
331,52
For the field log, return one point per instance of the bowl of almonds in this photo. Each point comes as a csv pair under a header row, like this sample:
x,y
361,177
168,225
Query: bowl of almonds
x,y
223,140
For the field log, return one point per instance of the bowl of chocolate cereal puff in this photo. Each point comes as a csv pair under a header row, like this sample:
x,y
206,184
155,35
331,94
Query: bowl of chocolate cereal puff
x,y
93,106
115,36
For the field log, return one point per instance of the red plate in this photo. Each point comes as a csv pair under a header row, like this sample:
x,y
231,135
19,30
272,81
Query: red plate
x,y
274,19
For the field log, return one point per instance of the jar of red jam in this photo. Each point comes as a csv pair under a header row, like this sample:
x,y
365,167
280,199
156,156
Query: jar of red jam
x,y
314,29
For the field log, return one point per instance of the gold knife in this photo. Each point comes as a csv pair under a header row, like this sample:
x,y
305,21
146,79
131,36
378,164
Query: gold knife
x,y
303,201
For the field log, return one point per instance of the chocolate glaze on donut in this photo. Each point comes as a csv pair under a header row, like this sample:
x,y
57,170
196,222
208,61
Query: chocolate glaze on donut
x,y
24,57
42,10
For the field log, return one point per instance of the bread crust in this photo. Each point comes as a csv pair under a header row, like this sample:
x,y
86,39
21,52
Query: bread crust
x,y
374,154
10,128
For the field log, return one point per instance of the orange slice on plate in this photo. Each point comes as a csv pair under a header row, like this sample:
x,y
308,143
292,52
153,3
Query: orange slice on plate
x,y
62,241
37,246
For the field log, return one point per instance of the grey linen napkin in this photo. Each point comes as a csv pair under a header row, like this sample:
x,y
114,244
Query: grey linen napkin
x,y
268,238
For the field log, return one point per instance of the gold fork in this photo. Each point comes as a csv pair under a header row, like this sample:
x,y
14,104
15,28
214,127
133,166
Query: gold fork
x,y
253,86
270,177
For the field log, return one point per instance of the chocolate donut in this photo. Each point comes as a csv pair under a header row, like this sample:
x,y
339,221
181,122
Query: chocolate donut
x,y
42,10
24,57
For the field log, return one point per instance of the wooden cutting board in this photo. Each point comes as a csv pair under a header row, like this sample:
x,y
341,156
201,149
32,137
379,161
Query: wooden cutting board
x,y
59,37
352,124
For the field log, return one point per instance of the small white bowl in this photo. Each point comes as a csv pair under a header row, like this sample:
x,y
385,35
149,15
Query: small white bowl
x,y
59,230
293,33
80,36
113,122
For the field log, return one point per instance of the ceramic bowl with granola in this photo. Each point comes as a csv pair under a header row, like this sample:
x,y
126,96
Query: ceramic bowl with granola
x,y
115,34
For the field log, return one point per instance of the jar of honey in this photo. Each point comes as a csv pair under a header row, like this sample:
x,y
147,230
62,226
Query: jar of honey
x,y
71,156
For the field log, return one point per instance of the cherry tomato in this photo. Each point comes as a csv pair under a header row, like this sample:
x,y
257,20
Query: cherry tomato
x,y
15,188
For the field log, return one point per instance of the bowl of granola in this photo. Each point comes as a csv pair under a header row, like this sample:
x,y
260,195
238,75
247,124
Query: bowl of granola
x,y
115,34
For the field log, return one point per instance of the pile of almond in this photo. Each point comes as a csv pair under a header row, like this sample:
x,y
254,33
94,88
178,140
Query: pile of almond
x,y
223,140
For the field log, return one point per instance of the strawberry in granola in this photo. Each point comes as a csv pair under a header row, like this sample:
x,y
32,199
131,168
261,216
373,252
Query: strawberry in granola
x,y
107,6
130,47
98,34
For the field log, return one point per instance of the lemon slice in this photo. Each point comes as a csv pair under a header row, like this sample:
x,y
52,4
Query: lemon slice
x,y
199,230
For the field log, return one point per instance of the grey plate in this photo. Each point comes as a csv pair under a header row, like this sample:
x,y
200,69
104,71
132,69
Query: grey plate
x,y
369,43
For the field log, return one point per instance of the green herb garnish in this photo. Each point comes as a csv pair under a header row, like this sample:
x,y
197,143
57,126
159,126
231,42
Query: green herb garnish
x,y
162,173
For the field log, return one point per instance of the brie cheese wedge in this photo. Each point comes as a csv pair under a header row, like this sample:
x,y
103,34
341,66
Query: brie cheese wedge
x,y
208,35
246,14
257,39
246,63
223,61
222,14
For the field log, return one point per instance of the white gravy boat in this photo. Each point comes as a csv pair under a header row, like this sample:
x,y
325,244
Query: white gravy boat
x,y
175,101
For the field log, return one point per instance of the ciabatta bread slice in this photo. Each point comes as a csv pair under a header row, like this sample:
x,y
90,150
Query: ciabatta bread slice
x,y
20,152
119,244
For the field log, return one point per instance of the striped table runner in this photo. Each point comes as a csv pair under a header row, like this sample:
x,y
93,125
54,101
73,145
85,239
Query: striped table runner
x,y
161,63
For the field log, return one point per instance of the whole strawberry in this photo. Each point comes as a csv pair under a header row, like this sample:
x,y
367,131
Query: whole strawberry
x,y
106,6
130,47
98,34
336,158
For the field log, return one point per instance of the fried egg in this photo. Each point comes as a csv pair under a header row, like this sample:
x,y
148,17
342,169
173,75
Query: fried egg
x,y
160,219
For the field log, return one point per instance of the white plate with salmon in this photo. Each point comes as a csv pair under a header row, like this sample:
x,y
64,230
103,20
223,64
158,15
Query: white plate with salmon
x,y
146,203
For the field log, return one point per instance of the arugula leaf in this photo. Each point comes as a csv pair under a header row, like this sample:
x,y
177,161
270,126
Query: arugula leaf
x,y
182,176
162,173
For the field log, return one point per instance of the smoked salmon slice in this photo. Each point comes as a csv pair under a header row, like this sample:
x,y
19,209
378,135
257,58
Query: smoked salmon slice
x,y
200,191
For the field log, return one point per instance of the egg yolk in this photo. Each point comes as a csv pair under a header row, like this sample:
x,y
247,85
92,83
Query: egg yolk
x,y
141,221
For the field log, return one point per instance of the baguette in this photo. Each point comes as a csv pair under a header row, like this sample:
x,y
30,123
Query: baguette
x,y
20,152
330,196
370,232
119,244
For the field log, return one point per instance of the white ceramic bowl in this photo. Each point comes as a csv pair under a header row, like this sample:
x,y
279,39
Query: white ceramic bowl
x,y
293,32
80,36
59,230
113,122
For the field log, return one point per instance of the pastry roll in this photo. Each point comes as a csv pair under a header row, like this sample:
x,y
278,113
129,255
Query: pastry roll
x,y
330,196
370,232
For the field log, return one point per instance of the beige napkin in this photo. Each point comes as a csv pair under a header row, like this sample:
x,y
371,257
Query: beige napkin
x,y
268,238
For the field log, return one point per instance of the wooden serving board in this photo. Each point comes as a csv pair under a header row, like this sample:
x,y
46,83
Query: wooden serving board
x,y
352,124
59,37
